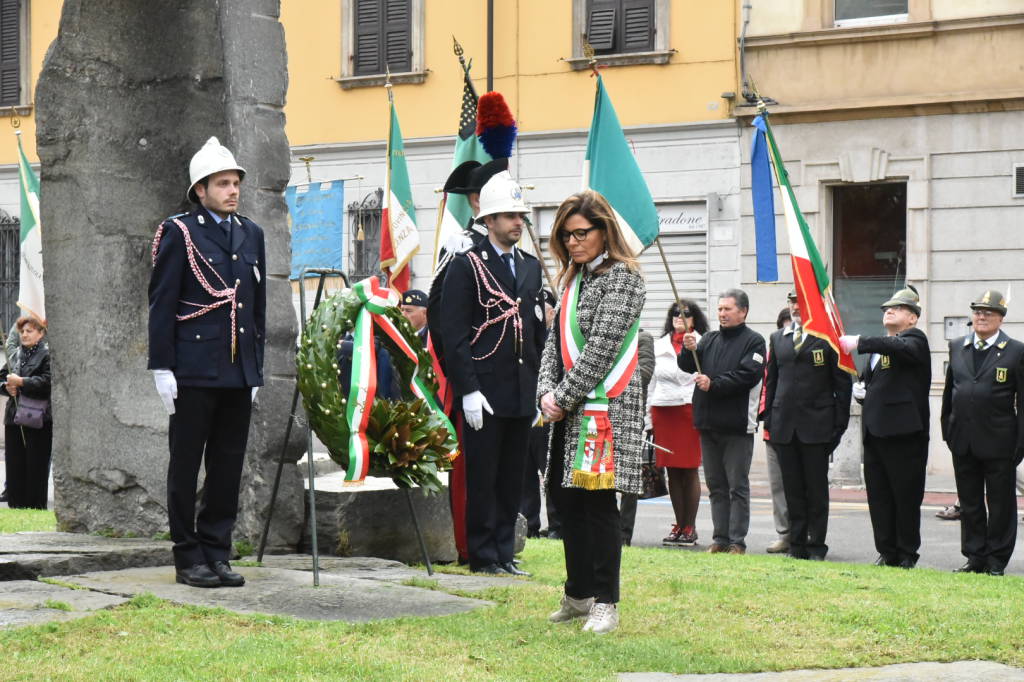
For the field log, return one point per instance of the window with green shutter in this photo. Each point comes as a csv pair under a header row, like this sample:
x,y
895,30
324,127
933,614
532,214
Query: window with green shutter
x,y
10,53
382,37
620,26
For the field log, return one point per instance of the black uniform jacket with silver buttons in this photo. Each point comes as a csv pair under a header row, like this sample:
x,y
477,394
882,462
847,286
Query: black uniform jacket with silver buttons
x,y
508,376
982,407
896,403
807,395
199,349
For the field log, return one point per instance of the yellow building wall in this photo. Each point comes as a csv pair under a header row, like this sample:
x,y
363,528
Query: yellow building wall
x,y
531,37
961,9
43,23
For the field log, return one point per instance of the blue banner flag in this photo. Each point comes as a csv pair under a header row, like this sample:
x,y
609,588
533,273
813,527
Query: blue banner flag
x,y
764,206
317,225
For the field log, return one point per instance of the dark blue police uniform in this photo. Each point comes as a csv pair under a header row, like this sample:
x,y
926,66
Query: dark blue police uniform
x,y
213,406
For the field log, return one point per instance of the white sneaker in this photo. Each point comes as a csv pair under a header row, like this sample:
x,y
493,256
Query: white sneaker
x,y
603,619
571,609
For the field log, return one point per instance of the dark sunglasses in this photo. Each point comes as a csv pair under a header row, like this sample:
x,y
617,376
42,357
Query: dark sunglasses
x,y
686,313
578,235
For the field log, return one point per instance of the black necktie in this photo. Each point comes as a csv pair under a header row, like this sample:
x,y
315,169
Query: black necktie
x,y
507,257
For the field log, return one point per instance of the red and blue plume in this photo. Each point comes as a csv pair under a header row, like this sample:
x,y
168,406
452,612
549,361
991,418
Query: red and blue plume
x,y
495,125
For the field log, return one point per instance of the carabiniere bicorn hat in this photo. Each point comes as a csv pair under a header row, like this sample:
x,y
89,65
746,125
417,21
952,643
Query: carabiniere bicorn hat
x,y
990,300
907,297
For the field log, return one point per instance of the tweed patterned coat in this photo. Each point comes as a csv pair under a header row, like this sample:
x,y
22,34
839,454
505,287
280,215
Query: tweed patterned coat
x,y
609,304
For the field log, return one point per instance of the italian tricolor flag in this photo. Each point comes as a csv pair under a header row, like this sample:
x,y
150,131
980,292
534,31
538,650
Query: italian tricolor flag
x,y
399,240
30,271
818,311
611,169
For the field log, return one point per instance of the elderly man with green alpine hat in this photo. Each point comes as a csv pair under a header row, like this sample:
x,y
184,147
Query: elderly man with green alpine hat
x,y
894,392
983,424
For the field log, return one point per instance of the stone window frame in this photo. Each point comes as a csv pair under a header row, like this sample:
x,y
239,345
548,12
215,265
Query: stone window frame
x,y
417,74
661,54
24,105
821,14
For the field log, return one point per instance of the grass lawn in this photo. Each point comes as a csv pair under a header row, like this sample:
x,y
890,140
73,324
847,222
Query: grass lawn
x,y
15,520
680,611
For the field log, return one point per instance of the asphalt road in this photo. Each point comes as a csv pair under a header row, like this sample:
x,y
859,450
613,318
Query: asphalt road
x,y
849,532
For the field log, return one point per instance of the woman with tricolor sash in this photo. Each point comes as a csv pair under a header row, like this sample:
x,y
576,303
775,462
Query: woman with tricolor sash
x,y
590,389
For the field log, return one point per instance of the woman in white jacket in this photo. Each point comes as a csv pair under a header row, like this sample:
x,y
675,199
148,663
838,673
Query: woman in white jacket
x,y
670,410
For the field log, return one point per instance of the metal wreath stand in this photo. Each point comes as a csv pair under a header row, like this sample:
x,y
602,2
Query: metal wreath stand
x,y
323,273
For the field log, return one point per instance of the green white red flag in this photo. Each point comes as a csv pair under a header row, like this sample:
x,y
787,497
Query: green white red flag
x,y
30,269
399,239
818,311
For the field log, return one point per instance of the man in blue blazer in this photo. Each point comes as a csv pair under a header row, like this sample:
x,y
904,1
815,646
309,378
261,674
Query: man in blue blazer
x,y
207,303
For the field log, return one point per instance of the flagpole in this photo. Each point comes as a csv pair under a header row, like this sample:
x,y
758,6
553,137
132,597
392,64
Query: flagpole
x,y
540,255
387,199
675,292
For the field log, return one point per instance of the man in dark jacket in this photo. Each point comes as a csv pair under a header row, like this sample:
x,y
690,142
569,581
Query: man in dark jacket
x,y
807,409
983,424
493,333
895,422
729,364
207,302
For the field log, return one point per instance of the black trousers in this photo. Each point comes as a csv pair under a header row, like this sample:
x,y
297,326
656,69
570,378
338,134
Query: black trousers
x,y
894,474
210,426
27,460
591,534
495,460
805,482
536,461
988,533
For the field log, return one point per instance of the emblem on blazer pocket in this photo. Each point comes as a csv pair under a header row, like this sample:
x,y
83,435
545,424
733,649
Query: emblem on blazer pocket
x,y
1001,375
818,355
885,362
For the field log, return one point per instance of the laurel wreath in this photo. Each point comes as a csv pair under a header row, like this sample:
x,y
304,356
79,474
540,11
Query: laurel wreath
x,y
408,441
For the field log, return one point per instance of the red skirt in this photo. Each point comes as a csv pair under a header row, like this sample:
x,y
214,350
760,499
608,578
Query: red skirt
x,y
673,430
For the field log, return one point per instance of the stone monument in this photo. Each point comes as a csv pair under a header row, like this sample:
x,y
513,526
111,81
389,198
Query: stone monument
x,y
128,92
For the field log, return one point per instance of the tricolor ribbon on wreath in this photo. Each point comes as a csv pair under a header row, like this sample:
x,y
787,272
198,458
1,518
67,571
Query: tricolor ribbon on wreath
x,y
593,465
363,389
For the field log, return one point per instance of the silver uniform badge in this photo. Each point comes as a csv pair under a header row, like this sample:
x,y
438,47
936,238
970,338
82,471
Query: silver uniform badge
x,y
201,220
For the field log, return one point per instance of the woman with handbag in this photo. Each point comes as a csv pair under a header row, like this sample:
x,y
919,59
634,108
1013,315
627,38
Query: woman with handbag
x,y
590,389
28,425
670,405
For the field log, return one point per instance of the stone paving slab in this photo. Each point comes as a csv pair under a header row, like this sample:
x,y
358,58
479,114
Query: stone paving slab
x,y
960,671
286,592
24,602
29,555
371,568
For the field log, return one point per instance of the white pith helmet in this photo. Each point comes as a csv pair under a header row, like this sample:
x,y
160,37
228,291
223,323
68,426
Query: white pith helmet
x,y
212,158
501,194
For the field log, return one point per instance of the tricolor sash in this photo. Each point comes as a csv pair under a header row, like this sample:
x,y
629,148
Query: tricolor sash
x,y
363,387
593,464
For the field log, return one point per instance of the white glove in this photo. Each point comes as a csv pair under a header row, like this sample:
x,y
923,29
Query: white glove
x,y
849,343
859,391
254,389
167,387
473,406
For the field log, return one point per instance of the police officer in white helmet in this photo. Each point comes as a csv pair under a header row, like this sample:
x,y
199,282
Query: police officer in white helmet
x,y
493,333
207,301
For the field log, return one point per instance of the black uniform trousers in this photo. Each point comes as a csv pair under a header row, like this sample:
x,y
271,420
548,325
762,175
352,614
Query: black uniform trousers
x,y
591,532
536,462
987,536
894,475
210,426
27,459
495,461
805,482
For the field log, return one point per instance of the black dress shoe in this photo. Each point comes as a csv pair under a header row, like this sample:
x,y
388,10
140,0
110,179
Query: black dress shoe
x,y
510,567
554,535
883,561
227,577
971,567
907,563
995,571
490,569
199,575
